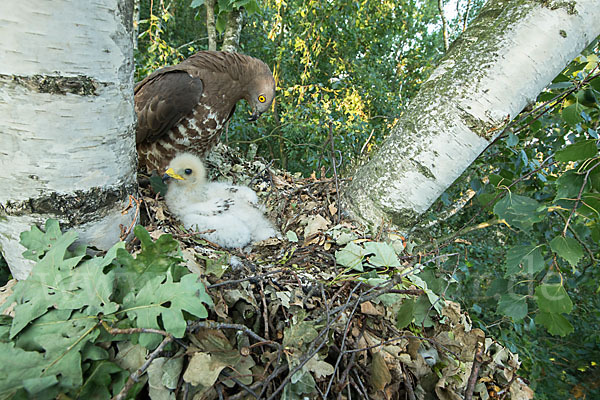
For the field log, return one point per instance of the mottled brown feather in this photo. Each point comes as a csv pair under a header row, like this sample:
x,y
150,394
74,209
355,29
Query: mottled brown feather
x,y
157,113
185,107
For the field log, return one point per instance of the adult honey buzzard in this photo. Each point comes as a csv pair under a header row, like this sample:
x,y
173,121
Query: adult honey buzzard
x,y
184,107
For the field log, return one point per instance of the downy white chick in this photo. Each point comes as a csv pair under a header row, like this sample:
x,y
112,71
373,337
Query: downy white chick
x,y
230,210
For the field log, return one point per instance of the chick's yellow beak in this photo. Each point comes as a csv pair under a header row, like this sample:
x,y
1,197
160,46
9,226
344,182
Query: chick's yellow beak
x,y
172,174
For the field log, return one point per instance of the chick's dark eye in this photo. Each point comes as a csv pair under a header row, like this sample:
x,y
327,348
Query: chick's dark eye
x,y
188,171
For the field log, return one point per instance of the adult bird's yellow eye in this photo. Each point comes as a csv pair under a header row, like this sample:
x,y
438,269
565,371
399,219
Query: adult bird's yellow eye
x,y
261,98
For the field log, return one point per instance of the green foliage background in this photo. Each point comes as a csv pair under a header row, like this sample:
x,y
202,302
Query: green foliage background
x,y
347,69
351,65
57,342
531,277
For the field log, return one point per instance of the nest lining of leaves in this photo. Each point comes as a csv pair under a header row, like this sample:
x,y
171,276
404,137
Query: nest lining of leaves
x,y
323,312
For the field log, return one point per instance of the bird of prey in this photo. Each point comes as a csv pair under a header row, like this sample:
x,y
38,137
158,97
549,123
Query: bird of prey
x,y
184,107
231,212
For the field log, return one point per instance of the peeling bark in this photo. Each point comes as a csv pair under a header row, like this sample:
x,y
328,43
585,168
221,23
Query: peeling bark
x,y
67,125
511,51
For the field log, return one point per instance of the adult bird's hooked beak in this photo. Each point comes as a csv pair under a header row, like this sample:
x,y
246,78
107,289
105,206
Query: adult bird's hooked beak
x,y
254,116
171,174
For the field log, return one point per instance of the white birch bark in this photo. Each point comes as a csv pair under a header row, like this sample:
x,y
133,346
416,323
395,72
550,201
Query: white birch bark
x,y
499,65
67,139
233,30
211,28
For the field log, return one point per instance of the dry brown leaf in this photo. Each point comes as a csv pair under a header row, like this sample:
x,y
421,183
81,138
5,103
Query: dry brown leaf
x,y
155,234
332,209
315,224
369,309
380,374
160,213
5,292
279,183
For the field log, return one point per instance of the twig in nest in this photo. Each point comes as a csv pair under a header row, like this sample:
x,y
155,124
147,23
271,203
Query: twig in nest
x,y
193,234
362,390
408,385
312,350
131,331
346,329
237,381
266,168
216,325
244,395
250,278
265,309
126,232
335,175
134,377
477,361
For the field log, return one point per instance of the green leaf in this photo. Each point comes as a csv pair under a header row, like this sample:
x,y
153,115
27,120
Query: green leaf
x,y
498,286
383,254
167,299
291,236
590,205
38,242
512,140
568,248
301,383
197,3
578,151
572,114
28,368
553,298
252,7
424,312
300,334
158,185
595,179
351,256
486,200
224,5
61,335
34,386
556,324
595,83
221,22
406,313
568,185
519,211
50,284
153,261
513,305
524,259
91,288
101,377
216,267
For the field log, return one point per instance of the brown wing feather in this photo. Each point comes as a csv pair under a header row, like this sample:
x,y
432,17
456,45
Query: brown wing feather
x,y
162,99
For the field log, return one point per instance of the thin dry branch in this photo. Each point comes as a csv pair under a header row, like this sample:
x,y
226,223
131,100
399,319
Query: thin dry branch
x,y
134,377
477,362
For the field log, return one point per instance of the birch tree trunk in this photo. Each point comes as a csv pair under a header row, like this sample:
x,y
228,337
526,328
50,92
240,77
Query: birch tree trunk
x,y
233,30
211,29
67,123
499,65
